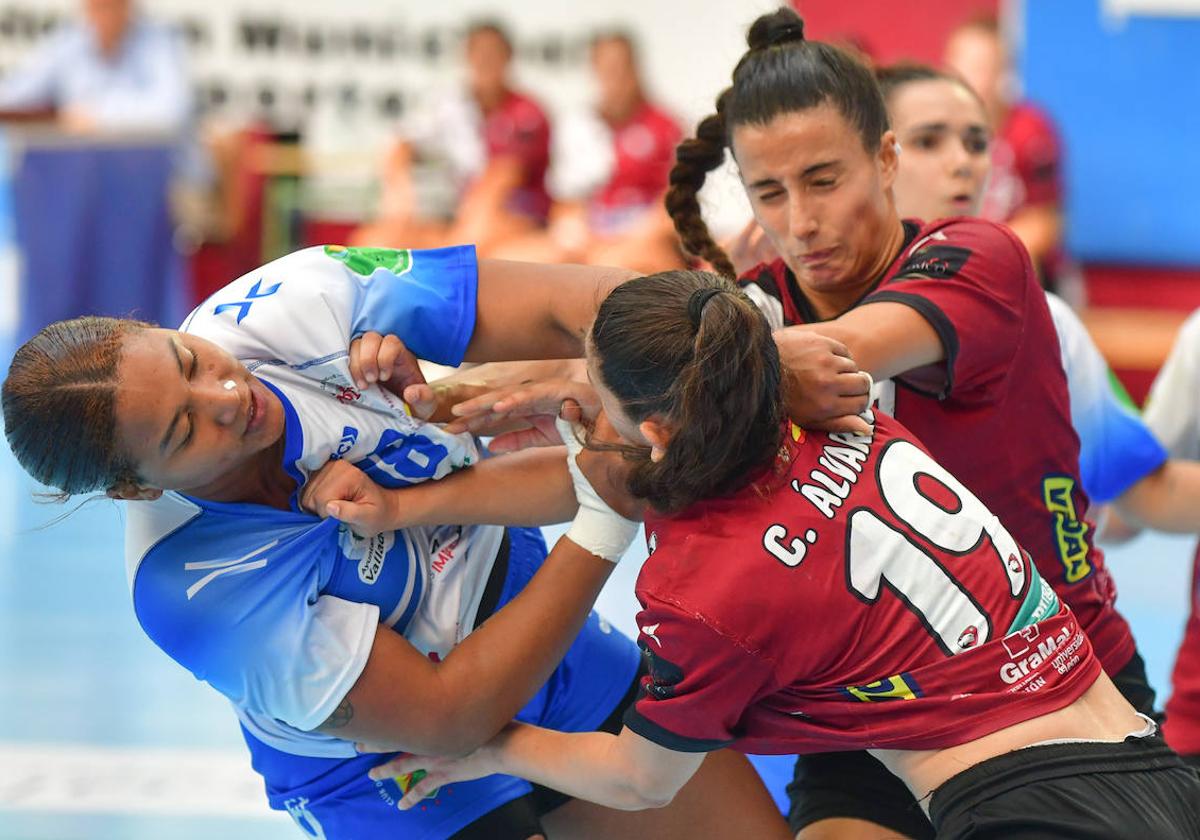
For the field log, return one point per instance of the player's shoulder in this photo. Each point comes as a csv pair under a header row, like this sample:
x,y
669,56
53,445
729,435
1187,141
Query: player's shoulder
x,y
771,276
180,543
942,248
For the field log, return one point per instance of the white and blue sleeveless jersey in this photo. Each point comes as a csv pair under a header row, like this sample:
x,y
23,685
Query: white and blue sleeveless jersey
x,y
1116,448
277,609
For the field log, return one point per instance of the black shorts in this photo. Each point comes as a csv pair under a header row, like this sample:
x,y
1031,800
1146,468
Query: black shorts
x,y
522,817
1138,788
855,784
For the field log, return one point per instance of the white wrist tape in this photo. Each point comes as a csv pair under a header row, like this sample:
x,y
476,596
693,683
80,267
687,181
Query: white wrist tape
x,y
597,528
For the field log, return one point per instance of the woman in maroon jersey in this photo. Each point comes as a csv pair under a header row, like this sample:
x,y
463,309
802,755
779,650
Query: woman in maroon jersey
x,y
811,591
947,316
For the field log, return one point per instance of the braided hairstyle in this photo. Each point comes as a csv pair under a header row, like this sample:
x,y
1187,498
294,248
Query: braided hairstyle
x,y
780,73
689,347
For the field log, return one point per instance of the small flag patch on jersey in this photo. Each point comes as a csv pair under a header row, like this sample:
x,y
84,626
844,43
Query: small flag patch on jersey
x,y
899,687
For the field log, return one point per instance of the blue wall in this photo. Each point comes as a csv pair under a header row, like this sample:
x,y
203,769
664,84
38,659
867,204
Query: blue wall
x,y
1126,94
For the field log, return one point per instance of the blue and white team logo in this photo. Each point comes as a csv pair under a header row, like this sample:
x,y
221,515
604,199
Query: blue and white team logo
x,y
349,438
242,307
304,818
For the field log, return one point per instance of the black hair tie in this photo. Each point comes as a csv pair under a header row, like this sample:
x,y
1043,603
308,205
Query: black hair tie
x,y
696,304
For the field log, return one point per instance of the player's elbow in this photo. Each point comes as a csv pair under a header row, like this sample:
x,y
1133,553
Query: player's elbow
x,y
642,789
456,729
1145,501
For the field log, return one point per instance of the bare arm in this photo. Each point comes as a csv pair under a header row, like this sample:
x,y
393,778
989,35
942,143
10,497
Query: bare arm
x,y
625,771
534,311
824,387
1165,500
885,339
527,488
407,702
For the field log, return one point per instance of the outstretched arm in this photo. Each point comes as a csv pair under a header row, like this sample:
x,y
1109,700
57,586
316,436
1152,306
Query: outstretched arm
x,y
528,488
624,771
453,706
407,702
1165,499
534,311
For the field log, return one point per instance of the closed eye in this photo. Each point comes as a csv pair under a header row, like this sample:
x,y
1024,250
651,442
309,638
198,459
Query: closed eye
x,y
188,437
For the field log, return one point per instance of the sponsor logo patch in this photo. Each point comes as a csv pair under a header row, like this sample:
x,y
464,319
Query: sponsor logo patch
x,y
936,262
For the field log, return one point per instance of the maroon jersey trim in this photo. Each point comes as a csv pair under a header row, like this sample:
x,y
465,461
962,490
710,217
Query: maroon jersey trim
x,y
942,325
664,737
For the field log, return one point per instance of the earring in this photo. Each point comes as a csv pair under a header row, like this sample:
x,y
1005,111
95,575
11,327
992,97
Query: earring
x,y
229,385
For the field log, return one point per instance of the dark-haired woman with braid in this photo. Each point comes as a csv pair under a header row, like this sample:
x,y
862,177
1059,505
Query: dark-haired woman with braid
x,y
811,591
948,318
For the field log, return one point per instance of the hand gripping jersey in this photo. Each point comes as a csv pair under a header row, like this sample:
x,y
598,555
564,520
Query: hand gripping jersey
x,y
1116,450
995,411
278,610
1173,413
857,596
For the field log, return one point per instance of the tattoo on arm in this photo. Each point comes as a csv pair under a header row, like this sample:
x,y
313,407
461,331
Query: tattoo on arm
x,y
340,717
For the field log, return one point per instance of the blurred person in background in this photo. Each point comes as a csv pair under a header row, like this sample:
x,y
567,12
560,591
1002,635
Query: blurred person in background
x,y
497,142
620,221
112,71
944,139
1173,414
1025,190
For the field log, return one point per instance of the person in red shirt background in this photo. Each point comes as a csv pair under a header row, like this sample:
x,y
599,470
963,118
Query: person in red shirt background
x,y
622,222
504,194
1025,189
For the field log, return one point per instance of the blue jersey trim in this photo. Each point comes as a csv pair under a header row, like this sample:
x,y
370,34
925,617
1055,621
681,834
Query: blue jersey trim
x,y
431,307
418,595
1116,453
293,447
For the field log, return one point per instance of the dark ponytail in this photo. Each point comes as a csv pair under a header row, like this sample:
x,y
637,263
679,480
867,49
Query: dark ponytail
x,y
780,73
690,348
60,404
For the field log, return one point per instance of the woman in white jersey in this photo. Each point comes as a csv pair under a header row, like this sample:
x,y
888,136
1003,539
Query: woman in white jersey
x,y
318,636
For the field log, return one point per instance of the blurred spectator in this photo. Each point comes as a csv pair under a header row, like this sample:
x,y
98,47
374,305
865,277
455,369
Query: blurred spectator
x,y
622,220
113,71
1025,190
498,144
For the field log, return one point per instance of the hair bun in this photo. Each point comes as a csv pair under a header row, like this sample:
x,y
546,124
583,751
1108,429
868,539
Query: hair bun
x,y
782,26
